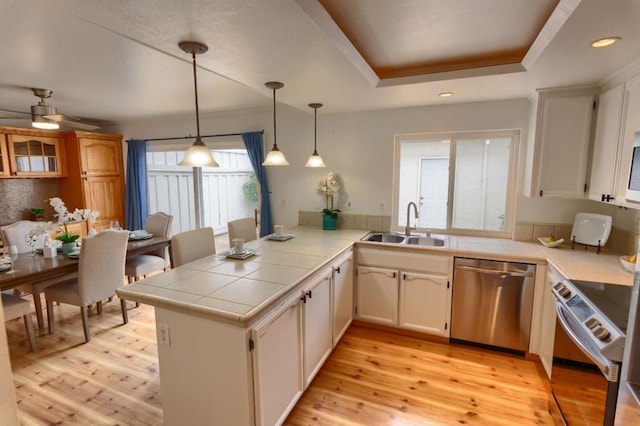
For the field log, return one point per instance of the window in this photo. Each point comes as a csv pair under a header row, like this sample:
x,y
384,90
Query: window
x,y
461,182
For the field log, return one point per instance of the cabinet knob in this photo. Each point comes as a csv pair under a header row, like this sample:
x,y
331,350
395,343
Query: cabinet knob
x,y
541,192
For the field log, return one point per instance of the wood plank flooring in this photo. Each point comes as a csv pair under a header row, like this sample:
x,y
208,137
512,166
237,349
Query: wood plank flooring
x,y
372,378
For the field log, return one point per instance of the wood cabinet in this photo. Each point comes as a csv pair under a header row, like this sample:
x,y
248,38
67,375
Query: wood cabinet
x,y
277,362
405,290
559,143
95,178
607,146
316,320
342,295
28,153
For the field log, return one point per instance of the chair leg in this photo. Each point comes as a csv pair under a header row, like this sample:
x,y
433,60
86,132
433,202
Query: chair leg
x,y
28,324
123,306
85,323
52,324
99,307
38,304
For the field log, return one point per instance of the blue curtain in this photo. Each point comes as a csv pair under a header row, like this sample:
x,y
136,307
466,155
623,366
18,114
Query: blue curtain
x,y
136,201
253,143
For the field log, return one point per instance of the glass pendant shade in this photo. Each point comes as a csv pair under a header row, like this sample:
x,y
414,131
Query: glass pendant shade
x,y
315,160
198,155
275,157
44,123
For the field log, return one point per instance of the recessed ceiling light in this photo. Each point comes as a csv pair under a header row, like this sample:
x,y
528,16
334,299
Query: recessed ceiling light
x,y
445,94
603,42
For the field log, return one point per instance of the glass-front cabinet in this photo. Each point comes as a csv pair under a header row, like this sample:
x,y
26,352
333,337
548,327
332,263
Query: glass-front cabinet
x,y
35,156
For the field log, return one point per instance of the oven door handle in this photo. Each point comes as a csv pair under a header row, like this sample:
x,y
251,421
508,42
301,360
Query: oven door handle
x,y
608,368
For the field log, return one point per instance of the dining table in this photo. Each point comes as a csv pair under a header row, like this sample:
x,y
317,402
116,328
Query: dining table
x,y
29,268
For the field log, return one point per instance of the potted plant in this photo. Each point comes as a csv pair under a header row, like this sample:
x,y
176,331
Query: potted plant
x,y
329,186
69,240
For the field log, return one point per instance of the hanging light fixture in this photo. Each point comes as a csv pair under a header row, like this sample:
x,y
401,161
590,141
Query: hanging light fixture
x,y
275,157
198,154
315,160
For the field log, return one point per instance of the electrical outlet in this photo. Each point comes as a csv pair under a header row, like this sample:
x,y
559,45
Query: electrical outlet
x,y
381,207
164,337
637,220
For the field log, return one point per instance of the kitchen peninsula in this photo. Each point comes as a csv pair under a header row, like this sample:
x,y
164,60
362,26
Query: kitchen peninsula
x,y
240,340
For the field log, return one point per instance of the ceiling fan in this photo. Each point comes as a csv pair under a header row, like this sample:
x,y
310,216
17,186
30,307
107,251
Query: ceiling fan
x,y
45,116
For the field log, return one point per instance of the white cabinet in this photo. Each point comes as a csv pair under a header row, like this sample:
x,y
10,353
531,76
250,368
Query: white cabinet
x,y
607,146
277,363
404,289
377,295
316,320
630,125
558,154
424,303
548,321
342,293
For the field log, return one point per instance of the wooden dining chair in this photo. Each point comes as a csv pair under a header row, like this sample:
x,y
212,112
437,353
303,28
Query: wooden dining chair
x,y
139,266
100,273
242,228
16,307
192,245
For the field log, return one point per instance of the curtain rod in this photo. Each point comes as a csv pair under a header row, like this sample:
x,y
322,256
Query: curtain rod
x,y
203,136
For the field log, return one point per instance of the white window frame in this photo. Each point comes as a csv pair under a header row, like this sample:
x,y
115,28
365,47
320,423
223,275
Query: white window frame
x,y
509,219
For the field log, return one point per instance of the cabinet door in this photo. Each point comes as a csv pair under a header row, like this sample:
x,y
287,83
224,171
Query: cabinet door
x,y
316,309
631,123
35,156
106,195
342,283
100,157
564,136
548,323
606,155
4,156
277,364
425,303
377,290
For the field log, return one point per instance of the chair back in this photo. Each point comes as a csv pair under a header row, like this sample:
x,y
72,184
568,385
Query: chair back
x,y
242,228
192,245
159,223
16,234
101,268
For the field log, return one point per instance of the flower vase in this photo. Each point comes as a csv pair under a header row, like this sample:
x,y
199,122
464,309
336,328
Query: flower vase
x,y
68,247
329,223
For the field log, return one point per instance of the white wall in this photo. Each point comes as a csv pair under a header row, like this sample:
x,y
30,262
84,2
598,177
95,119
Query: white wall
x,y
358,147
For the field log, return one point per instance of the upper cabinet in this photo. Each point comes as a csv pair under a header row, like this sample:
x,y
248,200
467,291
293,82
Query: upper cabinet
x,y
630,123
30,153
559,142
607,146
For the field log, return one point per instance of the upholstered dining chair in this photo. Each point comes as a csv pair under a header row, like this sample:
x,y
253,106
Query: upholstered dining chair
x,y
16,307
100,273
192,245
242,228
139,266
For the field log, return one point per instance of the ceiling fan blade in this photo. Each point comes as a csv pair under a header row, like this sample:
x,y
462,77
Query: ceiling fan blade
x,y
72,121
14,115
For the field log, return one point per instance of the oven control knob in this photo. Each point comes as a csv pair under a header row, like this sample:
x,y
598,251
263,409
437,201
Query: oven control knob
x,y
564,292
592,323
601,333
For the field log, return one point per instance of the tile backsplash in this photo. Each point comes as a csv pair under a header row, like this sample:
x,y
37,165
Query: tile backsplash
x,y
20,195
379,223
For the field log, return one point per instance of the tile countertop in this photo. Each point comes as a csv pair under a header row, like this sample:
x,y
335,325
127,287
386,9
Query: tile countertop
x,y
238,291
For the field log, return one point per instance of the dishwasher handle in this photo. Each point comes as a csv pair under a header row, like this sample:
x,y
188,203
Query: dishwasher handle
x,y
494,271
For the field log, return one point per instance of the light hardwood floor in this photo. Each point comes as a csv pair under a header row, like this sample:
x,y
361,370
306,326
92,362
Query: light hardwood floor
x,y
372,378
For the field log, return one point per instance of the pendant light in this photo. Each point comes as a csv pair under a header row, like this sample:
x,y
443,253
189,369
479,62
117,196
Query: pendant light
x,y
315,160
198,154
275,157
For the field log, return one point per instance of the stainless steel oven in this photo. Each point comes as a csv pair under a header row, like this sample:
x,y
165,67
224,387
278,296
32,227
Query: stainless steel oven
x,y
586,368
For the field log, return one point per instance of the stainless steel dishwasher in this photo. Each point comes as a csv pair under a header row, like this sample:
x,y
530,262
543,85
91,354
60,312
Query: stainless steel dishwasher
x,y
492,302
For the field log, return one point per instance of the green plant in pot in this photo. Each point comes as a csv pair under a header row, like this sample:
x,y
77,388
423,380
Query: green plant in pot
x,y
329,187
69,241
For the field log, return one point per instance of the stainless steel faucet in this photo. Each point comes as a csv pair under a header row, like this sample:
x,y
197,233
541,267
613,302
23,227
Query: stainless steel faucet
x,y
407,229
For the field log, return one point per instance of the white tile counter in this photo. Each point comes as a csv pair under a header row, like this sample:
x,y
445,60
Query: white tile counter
x,y
240,290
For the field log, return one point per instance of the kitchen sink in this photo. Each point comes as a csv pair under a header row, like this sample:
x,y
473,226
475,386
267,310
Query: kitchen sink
x,y
385,237
416,240
426,241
